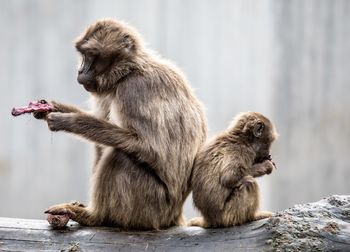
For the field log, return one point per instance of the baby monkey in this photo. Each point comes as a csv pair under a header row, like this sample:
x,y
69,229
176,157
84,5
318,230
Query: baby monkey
x,y
223,184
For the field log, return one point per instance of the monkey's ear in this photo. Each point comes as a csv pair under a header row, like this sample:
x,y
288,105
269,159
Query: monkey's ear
x,y
128,43
258,129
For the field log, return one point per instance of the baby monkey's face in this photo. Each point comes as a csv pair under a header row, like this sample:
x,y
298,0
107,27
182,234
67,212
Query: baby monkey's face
x,y
258,131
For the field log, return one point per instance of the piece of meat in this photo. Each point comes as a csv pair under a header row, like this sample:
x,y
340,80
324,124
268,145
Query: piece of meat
x,y
40,106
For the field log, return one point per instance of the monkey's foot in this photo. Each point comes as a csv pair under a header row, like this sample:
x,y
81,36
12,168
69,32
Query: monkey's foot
x,y
262,215
198,222
76,212
70,209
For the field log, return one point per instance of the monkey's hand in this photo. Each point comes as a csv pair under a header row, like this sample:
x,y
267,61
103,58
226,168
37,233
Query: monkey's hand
x,y
262,168
58,121
57,107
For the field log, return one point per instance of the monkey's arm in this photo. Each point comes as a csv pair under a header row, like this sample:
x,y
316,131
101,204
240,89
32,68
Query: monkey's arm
x,y
63,108
232,173
262,168
101,132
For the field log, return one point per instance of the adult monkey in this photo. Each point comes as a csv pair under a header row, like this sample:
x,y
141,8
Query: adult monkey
x,y
147,126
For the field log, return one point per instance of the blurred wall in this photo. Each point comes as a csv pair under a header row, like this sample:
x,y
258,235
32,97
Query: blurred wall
x,y
287,59
311,100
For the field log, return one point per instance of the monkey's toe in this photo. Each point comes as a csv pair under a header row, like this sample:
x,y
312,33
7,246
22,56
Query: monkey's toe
x,y
262,215
77,203
60,210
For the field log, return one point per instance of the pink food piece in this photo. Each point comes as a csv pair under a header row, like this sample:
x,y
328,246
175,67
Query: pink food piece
x,y
40,106
58,220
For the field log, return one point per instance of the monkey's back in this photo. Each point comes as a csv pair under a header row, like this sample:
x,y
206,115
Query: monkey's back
x,y
158,104
208,192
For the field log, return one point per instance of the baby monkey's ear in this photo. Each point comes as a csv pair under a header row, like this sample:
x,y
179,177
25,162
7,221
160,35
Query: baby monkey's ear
x,y
258,129
128,43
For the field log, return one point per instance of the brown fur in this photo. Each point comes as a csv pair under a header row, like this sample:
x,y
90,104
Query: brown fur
x,y
147,126
223,184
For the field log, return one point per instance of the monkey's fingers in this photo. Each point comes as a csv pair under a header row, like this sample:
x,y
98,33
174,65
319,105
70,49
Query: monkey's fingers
x,y
40,115
58,221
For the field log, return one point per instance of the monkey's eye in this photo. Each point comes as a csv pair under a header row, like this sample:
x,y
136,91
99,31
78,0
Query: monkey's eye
x,y
82,61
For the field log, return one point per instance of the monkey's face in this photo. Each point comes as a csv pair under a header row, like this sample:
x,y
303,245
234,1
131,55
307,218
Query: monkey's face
x,y
103,47
258,131
91,67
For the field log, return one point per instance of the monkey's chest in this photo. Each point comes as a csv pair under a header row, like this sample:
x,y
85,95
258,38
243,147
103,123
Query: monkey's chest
x,y
115,115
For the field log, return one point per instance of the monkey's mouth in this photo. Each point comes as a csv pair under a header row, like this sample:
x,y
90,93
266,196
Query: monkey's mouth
x,y
262,159
87,81
90,88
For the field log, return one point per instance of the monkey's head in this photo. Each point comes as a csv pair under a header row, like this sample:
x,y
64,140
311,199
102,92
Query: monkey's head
x,y
256,130
108,49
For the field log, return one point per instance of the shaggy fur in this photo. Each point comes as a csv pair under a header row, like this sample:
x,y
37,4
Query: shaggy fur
x,y
223,184
147,127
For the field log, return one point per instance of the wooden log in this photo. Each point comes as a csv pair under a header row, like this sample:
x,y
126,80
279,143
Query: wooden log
x,y
320,226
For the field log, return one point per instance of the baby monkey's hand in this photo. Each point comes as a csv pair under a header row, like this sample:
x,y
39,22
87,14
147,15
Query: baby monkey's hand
x,y
263,168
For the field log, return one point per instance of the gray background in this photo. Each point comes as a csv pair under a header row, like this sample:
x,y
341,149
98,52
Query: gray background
x,y
287,59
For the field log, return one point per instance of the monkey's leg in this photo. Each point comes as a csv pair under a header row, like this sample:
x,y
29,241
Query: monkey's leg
x,y
242,204
77,212
248,183
261,169
102,132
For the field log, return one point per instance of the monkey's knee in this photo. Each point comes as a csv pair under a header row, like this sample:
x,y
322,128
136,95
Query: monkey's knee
x,y
245,193
248,183
247,200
